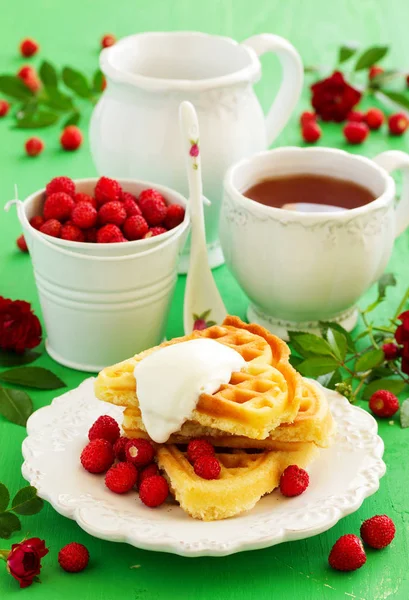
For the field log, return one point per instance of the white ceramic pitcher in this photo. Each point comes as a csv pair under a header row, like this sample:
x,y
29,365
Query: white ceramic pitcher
x,y
134,128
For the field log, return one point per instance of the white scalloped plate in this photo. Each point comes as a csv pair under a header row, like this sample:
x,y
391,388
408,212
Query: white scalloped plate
x,y
340,479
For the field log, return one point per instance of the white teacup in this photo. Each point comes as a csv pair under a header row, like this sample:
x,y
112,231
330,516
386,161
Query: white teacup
x,y
301,268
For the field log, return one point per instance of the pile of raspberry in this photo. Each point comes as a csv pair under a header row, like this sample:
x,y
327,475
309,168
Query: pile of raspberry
x,y
110,215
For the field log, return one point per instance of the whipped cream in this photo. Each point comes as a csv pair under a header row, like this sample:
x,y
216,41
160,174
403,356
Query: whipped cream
x,y
170,381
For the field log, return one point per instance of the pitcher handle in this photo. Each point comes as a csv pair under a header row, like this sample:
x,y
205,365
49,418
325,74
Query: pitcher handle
x,y
292,80
390,161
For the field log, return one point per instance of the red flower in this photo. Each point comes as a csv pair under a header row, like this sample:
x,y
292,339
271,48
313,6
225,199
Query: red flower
x,y
333,98
19,327
24,560
402,332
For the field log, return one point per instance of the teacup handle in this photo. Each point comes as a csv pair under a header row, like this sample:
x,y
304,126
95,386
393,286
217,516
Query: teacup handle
x,y
292,80
390,161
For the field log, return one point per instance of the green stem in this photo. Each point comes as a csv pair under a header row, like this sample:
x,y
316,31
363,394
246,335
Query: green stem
x,y
369,329
402,304
4,554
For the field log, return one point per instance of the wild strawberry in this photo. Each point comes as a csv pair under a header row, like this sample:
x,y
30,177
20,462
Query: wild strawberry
x,y
307,117
51,227
58,206
107,190
91,235
174,216
148,471
25,71
347,553
356,116
4,108
73,557
383,404
135,227
71,138
398,124
356,133
97,456
108,40
119,448
293,481
29,77
139,452
112,212
374,71
207,467
374,118
37,221
153,206
22,244
109,234
106,428
84,215
130,205
378,532
199,325
391,351
197,448
60,184
34,146
72,233
311,132
153,491
29,47
121,478
80,197
154,231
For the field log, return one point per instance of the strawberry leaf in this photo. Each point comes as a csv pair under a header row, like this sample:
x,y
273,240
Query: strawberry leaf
x,y
26,501
77,82
10,85
40,118
392,385
370,57
15,406
48,74
319,365
369,360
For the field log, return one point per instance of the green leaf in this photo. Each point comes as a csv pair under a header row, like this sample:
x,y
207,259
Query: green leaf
x,y
41,118
397,97
48,74
97,81
319,365
77,82
308,342
55,99
73,119
4,497
15,406
345,52
12,359
404,414
34,377
392,385
369,360
8,524
387,280
295,361
337,327
330,380
370,57
26,501
10,85
338,343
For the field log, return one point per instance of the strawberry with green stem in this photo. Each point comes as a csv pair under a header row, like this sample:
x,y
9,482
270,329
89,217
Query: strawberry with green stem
x,y
200,321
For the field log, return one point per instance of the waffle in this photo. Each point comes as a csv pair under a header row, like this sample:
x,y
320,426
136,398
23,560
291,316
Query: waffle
x,y
264,394
243,480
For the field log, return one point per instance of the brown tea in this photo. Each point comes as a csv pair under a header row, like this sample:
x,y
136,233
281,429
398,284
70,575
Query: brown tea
x,y
280,192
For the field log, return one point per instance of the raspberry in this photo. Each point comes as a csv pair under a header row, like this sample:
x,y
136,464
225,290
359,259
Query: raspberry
x,y
91,235
97,456
154,490
307,117
148,471
73,557
356,116
374,71
84,215
106,190
378,532
174,215
311,132
139,452
58,206
60,184
130,205
355,133
154,231
51,227
105,428
374,118
293,481
383,403
119,448
80,197
112,212
398,124
22,244
347,553
109,234
29,47
197,448
108,40
207,467
4,108
153,206
71,138
34,146
135,227
72,233
121,478
391,351
37,221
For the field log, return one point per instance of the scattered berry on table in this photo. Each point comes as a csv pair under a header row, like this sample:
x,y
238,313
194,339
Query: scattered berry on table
x,y
383,403
34,146
72,233
374,118
347,553
130,205
37,221
121,478
106,428
60,184
97,456
119,448
374,71
73,557
356,133
207,467
153,491
108,40
71,138
84,215
109,234
311,132
107,190
139,452
293,481
398,123
29,47
356,116
307,117
378,532
58,206
21,243
197,448
148,471
174,216
391,351
153,207
4,108
51,227
135,227
80,197
112,212
154,231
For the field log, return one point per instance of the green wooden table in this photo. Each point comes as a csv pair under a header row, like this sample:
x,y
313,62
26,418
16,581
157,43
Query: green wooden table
x,y
69,34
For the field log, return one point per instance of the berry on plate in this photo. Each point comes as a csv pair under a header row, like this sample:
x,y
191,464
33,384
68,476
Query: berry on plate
x,y
139,452
107,190
106,428
60,184
72,233
51,227
356,133
29,47
347,553
148,471
383,403
84,215
135,227
174,216
73,557
97,456
58,206
34,146
153,491
71,138
207,467
197,448
293,481
378,532
21,243
153,207
112,212
109,234
121,478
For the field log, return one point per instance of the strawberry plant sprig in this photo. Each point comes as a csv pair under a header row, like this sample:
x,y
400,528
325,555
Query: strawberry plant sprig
x,y
25,503
359,365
